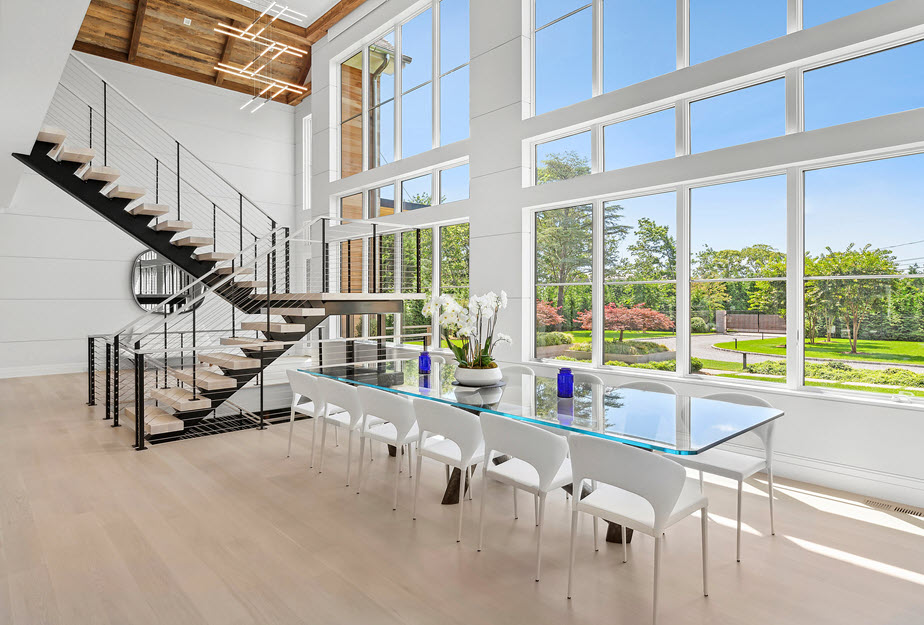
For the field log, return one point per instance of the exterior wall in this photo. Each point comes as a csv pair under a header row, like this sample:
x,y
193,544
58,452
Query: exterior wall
x,y
863,445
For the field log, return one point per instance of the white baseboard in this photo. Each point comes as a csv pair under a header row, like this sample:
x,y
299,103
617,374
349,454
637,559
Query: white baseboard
x,y
35,370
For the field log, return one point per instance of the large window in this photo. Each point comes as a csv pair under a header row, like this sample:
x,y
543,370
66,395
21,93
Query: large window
x,y
718,27
640,282
640,140
738,270
815,12
564,255
568,157
399,72
876,84
740,116
639,41
864,276
454,247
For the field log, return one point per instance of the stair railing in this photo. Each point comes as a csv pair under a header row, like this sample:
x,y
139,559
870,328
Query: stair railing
x,y
96,114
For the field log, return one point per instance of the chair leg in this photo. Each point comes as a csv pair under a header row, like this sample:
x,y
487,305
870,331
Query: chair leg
x,y
471,483
410,470
515,515
625,547
540,516
323,441
349,455
657,579
416,486
596,543
574,520
704,523
481,515
770,485
291,430
536,506
700,481
394,503
314,438
461,501
337,437
362,449
738,540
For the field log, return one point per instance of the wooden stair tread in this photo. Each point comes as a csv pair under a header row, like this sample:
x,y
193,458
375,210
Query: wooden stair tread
x,y
230,361
216,256
226,271
193,241
52,134
179,399
250,284
125,192
205,379
257,343
296,312
154,210
104,174
173,225
282,328
76,155
156,421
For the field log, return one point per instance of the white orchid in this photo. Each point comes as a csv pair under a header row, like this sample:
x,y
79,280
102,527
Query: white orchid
x,y
469,332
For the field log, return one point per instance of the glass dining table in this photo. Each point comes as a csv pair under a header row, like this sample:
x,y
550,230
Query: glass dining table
x,y
672,424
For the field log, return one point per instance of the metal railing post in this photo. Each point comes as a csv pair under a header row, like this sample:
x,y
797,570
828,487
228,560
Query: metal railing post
x,y
288,290
91,371
105,123
262,379
116,357
139,400
178,182
273,256
108,380
325,283
194,387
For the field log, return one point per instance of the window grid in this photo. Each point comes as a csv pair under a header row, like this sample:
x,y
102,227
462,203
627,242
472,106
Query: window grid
x,y
399,92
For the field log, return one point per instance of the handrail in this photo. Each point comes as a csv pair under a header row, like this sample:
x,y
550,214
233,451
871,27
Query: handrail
x,y
168,133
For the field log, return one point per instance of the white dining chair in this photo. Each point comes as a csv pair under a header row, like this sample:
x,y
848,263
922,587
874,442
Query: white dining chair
x,y
434,357
513,372
538,464
304,386
344,396
639,490
737,466
648,385
387,418
582,377
451,436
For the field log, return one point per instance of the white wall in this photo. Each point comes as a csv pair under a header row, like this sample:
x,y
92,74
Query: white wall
x,y
64,271
867,446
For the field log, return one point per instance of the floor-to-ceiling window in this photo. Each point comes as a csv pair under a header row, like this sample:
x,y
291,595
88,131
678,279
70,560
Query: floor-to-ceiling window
x,y
406,93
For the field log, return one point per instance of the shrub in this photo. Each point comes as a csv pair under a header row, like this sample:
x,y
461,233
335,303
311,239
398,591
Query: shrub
x,y
545,339
568,358
665,365
768,367
633,348
698,324
837,371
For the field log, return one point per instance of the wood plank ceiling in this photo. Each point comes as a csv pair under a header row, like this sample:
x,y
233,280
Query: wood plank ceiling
x,y
151,34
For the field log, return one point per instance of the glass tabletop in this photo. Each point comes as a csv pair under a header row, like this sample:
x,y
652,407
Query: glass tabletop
x,y
676,424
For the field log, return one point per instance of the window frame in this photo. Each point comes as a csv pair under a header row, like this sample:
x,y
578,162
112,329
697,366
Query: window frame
x,y
396,25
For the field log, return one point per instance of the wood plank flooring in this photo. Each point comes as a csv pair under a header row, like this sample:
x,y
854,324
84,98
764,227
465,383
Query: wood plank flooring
x,y
227,530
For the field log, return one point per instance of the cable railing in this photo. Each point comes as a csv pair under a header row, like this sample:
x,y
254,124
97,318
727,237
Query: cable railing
x,y
97,115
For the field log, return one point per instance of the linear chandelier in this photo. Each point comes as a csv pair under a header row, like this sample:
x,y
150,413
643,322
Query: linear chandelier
x,y
259,69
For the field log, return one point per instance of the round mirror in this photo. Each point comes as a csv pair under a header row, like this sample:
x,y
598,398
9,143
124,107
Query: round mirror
x,y
155,280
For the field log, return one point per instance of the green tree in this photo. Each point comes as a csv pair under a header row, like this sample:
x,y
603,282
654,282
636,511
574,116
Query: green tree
x,y
561,166
856,299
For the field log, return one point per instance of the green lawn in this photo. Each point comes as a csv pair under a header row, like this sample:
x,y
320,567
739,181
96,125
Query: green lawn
x,y
723,365
583,336
838,349
835,385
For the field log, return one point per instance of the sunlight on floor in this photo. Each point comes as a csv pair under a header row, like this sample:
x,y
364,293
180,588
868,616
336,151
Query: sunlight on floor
x,y
866,563
727,522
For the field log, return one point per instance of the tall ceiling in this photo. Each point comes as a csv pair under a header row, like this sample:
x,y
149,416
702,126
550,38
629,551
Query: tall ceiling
x,y
314,9
152,34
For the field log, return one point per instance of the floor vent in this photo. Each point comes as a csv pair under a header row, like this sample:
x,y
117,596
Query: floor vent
x,y
895,507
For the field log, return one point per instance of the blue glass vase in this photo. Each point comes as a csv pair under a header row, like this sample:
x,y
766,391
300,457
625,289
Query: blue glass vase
x,y
565,383
423,362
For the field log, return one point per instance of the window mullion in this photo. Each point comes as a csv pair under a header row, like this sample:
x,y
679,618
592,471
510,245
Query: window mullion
x,y
435,76
597,48
598,331
793,78
435,286
364,121
399,94
793,16
682,323
683,33
795,303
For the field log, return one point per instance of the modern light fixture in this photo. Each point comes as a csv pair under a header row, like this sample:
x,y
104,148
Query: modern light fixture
x,y
259,70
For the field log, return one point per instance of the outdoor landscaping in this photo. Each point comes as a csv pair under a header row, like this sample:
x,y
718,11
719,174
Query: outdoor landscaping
x,y
911,352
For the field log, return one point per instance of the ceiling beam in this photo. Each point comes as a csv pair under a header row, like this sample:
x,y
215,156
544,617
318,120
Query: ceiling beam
x,y
232,11
226,52
140,10
297,99
159,66
316,31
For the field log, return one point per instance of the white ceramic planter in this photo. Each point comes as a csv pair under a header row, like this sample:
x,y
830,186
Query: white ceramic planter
x,y
478,377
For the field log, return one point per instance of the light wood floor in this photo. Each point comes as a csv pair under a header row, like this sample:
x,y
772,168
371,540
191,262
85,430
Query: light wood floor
x,y
226,530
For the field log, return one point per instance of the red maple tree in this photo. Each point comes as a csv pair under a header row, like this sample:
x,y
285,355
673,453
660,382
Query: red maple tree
x,y
547,315
619,318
